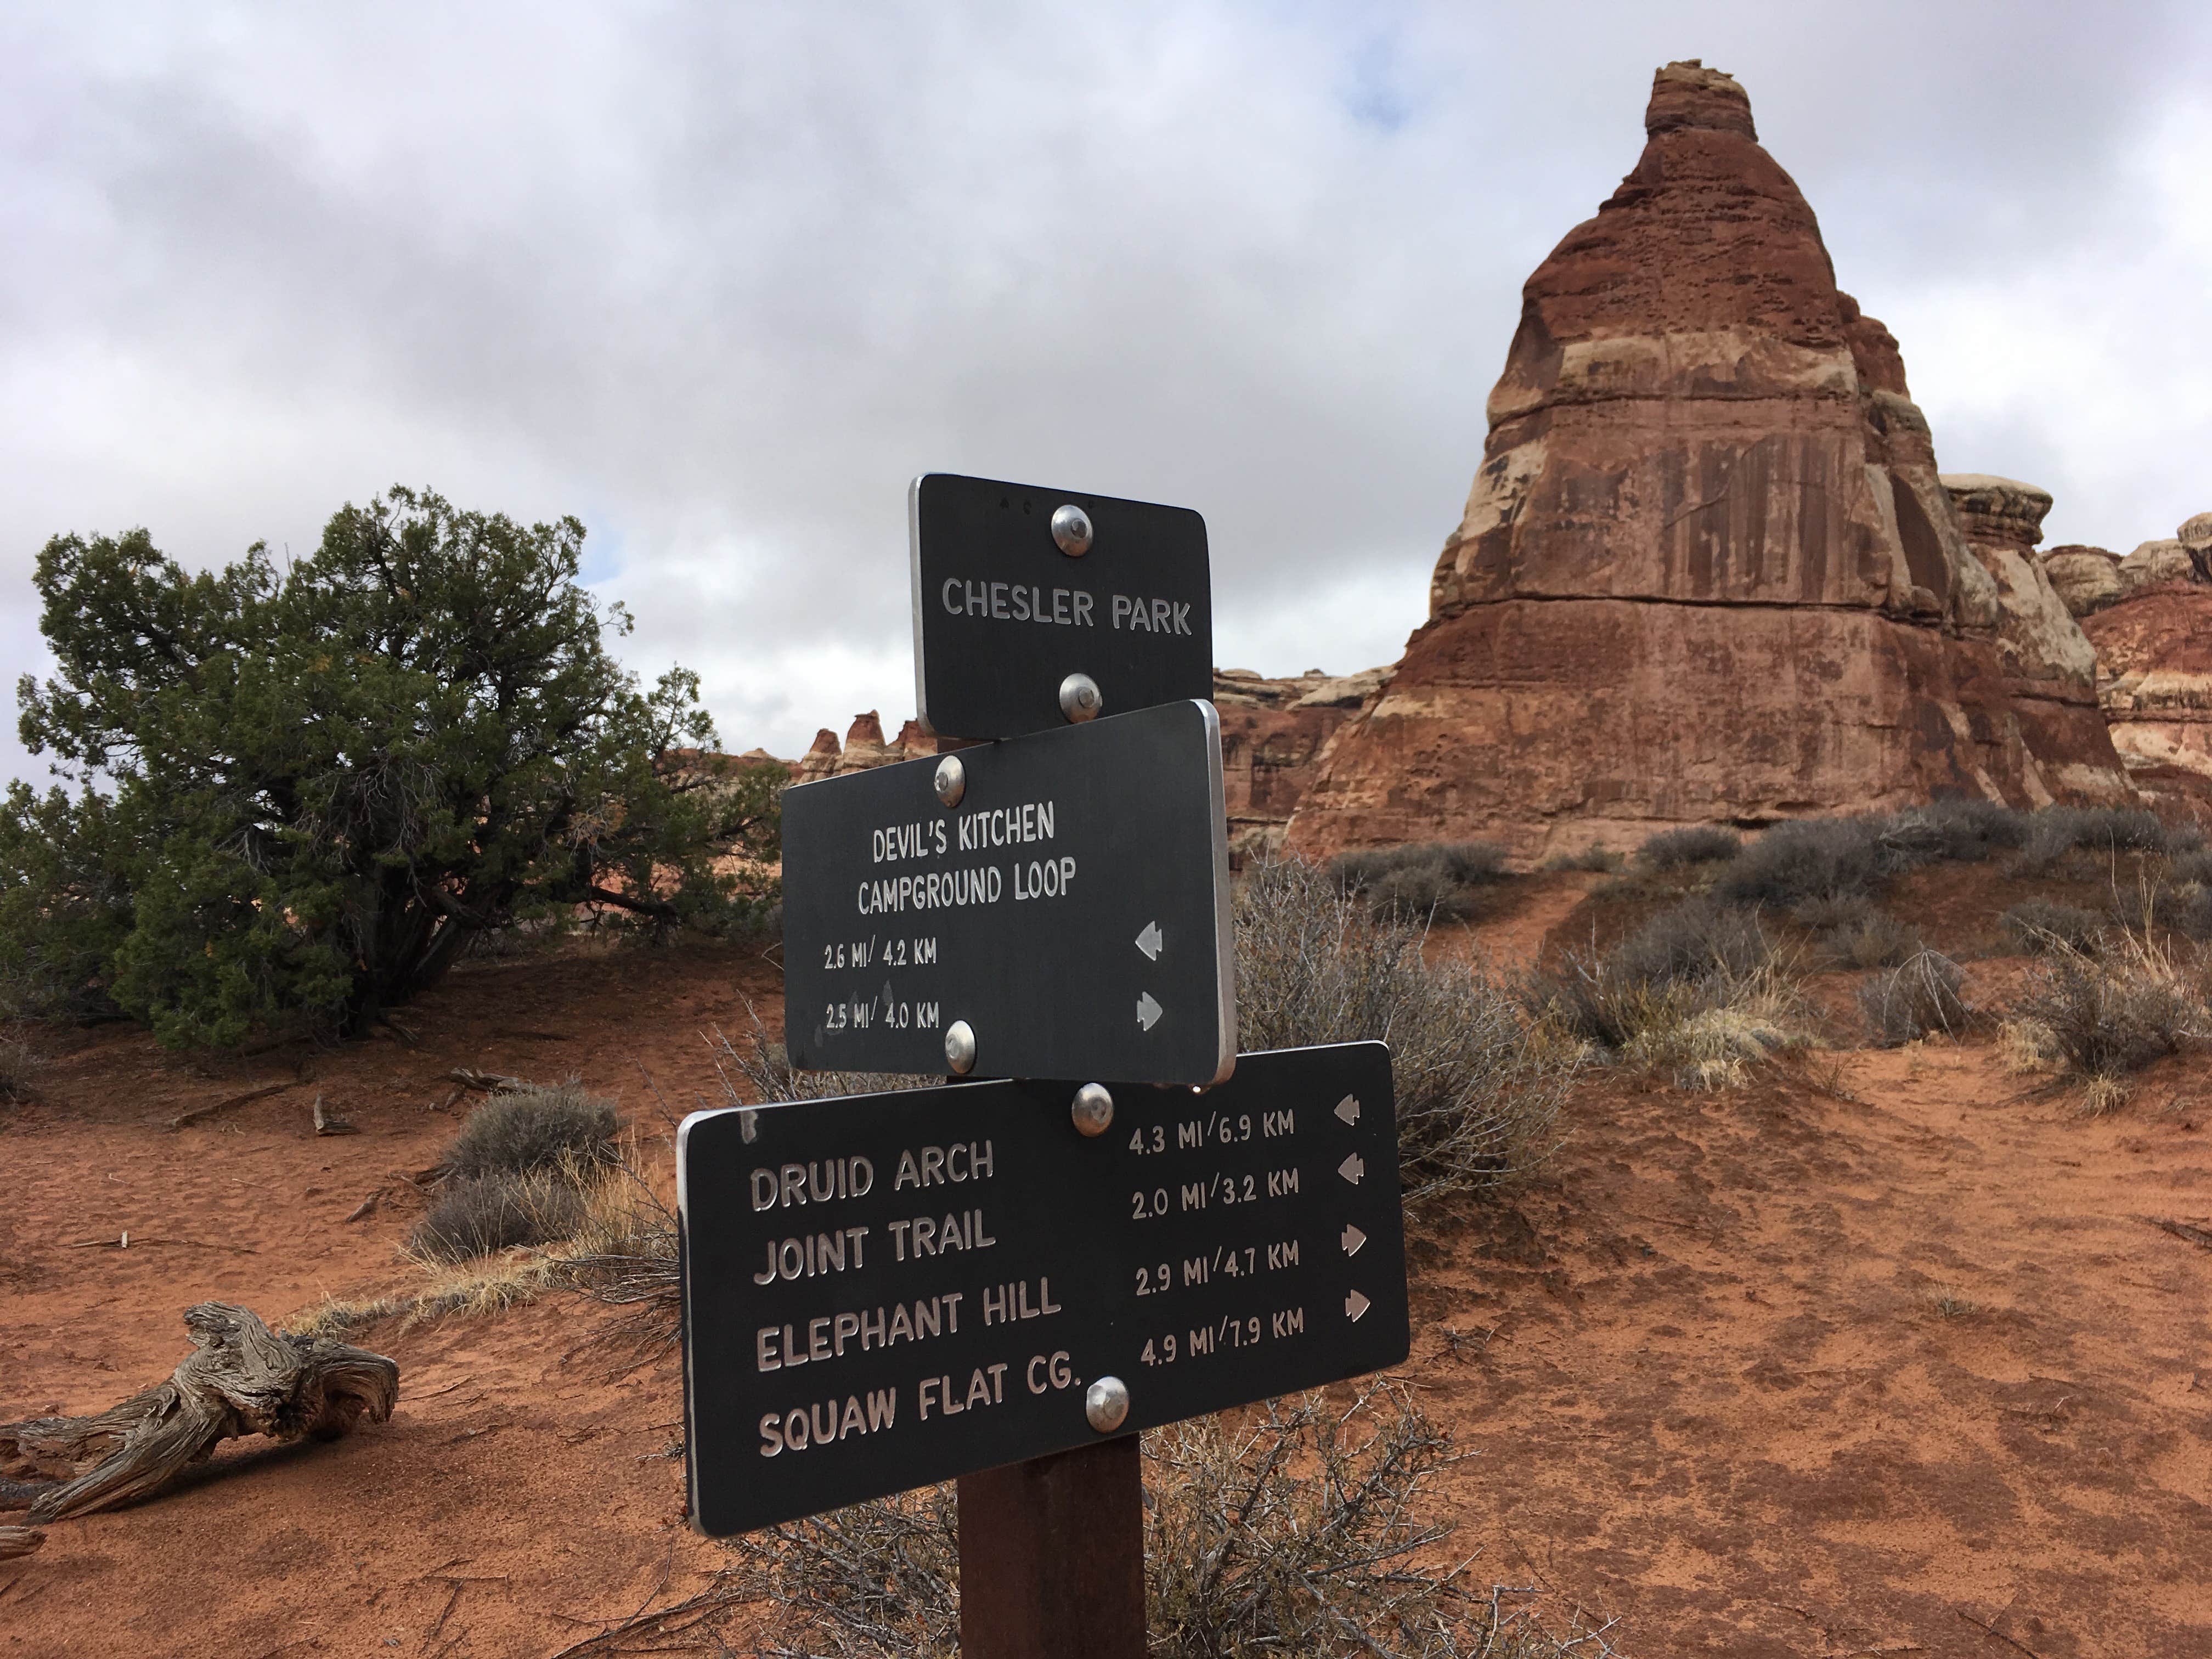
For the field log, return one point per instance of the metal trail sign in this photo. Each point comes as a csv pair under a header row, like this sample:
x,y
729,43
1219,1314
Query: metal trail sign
x,y
1055,905
884,1290
1028,601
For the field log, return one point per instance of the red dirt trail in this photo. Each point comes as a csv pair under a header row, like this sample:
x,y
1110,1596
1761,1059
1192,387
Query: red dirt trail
x,y
1880,1355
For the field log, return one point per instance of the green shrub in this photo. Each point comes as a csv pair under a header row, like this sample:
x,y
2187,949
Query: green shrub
x,y
302,788
1697,843
1477,1096
1916,998
556,1130
483,1215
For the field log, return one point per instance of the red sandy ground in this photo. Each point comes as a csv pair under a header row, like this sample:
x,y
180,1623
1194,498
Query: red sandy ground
x,y
1700,1358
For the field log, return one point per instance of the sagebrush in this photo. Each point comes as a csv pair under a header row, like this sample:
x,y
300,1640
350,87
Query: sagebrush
x,y
1477,1089
537,1128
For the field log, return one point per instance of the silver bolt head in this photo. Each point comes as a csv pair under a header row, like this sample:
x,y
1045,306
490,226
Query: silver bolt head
x,y
1081,699
960,1047
1106,1403
951,779
1092,1110
1071,530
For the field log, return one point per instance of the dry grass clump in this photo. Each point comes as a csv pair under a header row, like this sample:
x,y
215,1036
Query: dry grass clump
x,y
760,1072
2103,1016
1696,844
2057,830
1877,939
483,1215
553,1129
1477,1091
1428,880
1302,1529
1699,993
19,1066
1915,1000
2037,925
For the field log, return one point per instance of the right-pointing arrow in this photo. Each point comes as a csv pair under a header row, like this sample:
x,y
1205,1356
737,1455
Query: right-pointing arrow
x,y
1352,1168
1352,1238
1149,941
1354,1305
1148,1011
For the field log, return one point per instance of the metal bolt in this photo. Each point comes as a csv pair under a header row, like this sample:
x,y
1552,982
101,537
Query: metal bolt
x,y
1093,1109
1080,698
951,779
960,1047
1071,530
1106,1403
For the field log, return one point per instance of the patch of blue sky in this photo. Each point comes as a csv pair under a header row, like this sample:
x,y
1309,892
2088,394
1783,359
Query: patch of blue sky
x,y
1373,91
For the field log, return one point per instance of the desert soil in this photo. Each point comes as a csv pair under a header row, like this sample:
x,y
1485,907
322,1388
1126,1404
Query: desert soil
x,y
1883,1354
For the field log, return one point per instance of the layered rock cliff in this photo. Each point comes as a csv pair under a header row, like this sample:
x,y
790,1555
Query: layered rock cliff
x,y
1707,571
2148,617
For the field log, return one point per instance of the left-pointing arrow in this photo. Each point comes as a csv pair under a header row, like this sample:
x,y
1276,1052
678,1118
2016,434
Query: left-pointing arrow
x,y
1353,1167
1149,941
1148,1011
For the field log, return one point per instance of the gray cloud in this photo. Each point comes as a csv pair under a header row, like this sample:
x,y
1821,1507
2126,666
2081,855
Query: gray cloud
x,y
720,279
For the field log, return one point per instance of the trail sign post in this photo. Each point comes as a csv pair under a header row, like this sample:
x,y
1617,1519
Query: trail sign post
x,y
1056,905
1005,1280
1017,589
886,1291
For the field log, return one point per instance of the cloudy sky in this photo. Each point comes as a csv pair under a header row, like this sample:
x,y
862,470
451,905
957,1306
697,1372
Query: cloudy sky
x,y
720,278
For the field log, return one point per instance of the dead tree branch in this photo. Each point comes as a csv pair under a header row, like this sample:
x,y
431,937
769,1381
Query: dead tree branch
x,y
242,1378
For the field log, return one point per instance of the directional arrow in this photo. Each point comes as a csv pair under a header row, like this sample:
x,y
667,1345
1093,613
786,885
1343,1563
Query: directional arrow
x,y
1149,941
1351,1239
1348,1109
1352,1168
1354,1305
1148,1011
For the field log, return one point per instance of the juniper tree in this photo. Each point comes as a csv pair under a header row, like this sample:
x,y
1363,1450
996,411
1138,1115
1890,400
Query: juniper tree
x,y
300,791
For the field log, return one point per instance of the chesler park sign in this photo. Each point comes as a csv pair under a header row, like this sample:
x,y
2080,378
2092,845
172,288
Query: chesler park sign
x,y
886,1291
1032,607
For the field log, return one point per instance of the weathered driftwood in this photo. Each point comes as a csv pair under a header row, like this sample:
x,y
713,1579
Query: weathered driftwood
x,y
242,1378
19,1540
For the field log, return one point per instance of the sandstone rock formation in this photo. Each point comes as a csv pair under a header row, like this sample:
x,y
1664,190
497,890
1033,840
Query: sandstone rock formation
x,y
864,747
2153,636
2154,563
2041,646
1707,572
2155,650
2085,578
1272,735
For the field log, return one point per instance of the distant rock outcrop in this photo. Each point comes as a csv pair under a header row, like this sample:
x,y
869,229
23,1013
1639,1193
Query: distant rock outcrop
x,y
2042,647
1707,572
2154,642
1273,734
2085,578
864,747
